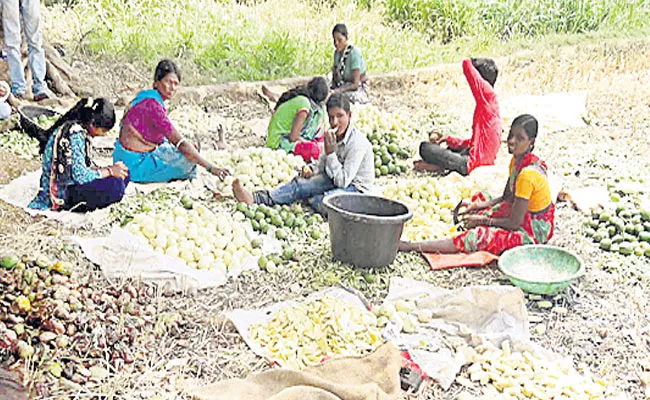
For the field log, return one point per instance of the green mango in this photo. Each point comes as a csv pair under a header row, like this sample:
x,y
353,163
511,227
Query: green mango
x,y
9,262
606,244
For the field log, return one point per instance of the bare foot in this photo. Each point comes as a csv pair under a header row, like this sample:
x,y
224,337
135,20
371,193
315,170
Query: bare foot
x,y
221,141
242,194
269,94
421,165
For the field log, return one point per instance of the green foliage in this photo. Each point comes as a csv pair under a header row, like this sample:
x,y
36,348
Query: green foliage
x,y
446,20
268,39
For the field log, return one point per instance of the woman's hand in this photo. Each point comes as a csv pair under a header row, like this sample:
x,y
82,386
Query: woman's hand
x,y
470,207
472,221
220,173
118,170
306,172
437,138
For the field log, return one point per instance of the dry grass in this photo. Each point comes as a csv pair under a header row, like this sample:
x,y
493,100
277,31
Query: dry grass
x,y
607,324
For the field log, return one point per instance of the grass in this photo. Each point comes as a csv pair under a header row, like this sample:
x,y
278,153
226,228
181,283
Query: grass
x,y
257,40
447,20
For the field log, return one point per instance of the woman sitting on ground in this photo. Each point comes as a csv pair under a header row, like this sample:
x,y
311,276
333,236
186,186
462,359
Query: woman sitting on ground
x,y
523,215
149,145
68,181
298,122
464,155
346,166
349,71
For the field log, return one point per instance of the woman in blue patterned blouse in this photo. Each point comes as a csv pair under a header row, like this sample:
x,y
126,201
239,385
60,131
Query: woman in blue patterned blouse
x,y
68,181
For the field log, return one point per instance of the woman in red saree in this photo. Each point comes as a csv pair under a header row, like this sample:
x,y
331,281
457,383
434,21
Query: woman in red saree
x,y
524,214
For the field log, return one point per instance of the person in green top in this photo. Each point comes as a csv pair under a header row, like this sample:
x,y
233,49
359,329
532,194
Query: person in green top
x,y
298,122
349,71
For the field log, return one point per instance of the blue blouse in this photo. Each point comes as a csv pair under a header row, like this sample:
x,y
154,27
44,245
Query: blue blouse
x,y
81,173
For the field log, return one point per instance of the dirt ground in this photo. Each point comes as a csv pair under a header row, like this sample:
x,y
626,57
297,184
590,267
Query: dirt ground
x,y
608,321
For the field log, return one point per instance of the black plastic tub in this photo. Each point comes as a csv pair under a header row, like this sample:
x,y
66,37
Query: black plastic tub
x,y
28,117
365,229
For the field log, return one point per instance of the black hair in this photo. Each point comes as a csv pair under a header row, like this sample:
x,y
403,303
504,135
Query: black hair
x,y
317,90
342,29
340,101
529,123
100,113
165,67
487,68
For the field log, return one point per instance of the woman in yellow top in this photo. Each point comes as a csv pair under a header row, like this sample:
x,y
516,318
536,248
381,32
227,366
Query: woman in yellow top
x,y
523,215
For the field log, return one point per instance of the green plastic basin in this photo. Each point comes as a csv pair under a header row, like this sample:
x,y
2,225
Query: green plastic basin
x,y
541,269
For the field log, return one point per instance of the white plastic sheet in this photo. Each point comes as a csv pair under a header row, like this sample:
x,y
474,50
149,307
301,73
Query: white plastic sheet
x,y
465,316
124,255
243,318
22,190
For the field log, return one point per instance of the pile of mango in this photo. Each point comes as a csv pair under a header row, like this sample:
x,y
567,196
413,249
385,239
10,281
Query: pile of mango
x,y
624,230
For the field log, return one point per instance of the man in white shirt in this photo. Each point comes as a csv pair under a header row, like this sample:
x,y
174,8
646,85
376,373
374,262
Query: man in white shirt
x,y
346,166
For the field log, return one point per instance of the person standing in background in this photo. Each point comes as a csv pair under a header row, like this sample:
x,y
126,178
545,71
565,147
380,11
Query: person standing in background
x,y
30,11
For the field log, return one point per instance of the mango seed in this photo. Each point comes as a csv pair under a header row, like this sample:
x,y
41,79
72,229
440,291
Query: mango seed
x,y
43,261
75,305
8,337
56,369
58,327
62,342
59,279
23,304
19,329
99,373
46,337
124,299
25,350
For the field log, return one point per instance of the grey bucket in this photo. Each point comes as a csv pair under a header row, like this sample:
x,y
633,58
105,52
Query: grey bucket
x,y
365,229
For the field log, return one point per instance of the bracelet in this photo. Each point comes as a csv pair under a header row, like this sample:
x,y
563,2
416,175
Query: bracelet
x,y
110,173
180,142
209,168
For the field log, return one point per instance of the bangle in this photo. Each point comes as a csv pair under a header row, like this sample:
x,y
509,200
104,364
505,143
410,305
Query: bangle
x,y
110,173
180,142
209,168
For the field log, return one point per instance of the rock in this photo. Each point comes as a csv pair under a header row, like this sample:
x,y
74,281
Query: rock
x,y
539,329
535,319
544,304
99,373
535,297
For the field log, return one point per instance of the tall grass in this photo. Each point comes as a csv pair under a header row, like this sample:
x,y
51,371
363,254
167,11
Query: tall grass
x,y
257,40
446,20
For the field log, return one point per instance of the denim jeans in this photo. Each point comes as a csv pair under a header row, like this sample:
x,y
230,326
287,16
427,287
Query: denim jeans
x,y
313,190
30,10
